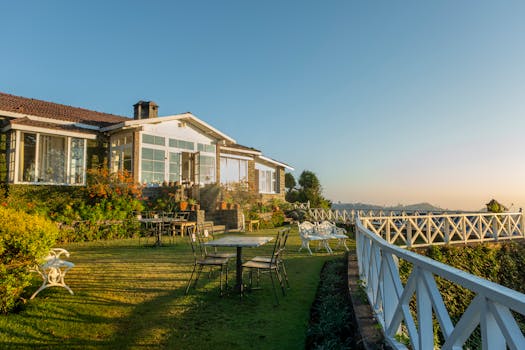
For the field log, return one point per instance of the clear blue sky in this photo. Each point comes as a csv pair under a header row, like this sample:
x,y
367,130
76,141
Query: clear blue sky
x,y
386,101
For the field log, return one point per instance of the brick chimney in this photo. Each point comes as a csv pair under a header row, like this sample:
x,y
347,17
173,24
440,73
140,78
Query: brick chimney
x,y
145,110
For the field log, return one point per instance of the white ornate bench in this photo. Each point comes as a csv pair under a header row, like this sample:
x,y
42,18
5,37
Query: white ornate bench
x,y
53,270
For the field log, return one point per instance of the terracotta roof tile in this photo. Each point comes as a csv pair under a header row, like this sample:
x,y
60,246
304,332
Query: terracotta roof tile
x,y
39,108
39,124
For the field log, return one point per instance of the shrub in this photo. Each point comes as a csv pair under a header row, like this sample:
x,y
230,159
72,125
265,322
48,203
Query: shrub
x,y
24,240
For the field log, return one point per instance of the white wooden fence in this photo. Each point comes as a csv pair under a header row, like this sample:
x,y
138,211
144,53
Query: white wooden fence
x,y
491,308
349,216
425,230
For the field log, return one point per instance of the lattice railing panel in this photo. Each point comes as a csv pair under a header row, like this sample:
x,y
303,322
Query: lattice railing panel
x,y
491,310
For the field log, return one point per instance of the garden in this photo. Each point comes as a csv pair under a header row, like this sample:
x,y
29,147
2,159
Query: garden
x,y
128,295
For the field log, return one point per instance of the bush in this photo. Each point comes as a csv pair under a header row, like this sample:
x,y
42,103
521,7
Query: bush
x,y
24,240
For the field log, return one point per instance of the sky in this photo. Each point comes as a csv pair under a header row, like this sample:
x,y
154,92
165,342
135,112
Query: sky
x,y
386,101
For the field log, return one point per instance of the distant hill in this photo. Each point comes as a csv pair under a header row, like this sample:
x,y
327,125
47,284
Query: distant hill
x,y
411,207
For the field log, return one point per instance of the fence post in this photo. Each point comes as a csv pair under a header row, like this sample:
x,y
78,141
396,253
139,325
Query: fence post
x,y
495,226
409,233
522,223
446,228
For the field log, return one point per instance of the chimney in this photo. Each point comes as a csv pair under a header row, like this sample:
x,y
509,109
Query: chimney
x,y
145,110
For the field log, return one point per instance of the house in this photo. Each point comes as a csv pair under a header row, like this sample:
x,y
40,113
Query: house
x,y
48,143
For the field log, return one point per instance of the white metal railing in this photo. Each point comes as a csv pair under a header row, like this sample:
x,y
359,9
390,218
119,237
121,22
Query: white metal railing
x,y
425,230
491,308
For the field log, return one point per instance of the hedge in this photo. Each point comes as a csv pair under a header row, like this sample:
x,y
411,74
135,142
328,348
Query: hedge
x,y
24,240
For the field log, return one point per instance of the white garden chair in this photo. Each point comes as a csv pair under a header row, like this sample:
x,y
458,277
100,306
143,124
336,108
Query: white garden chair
x,y
53,270
331,231
308,233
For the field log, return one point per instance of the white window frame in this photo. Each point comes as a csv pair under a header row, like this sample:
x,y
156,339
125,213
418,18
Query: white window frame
x,y
266,172
38,134
238,179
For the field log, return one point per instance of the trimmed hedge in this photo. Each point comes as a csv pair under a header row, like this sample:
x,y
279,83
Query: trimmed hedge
x,y
24,240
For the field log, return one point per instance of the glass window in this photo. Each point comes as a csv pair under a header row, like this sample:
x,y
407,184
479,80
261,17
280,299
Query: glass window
x,y
121,152
154,140
206,169
45,158
77,170
267,180
206,148
233,170
182,144
27,172
12,155
174,169
152,165
52,159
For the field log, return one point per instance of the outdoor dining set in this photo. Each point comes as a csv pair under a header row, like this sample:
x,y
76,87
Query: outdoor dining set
x,y
158,223
206,254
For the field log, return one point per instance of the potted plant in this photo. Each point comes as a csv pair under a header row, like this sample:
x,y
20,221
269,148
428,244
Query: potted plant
x,y
193,204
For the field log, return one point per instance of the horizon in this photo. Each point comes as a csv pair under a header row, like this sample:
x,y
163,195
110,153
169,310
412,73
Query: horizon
x,y
385,102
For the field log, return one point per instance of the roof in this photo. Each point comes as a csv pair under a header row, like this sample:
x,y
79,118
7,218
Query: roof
x,y
29,106
184,117
276,162
62,129
235,147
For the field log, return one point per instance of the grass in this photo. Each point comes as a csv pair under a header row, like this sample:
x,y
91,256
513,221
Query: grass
x,y
132,297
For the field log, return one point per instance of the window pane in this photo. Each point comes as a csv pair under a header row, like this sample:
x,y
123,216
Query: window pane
x,y
158,155
206,169
28,158
147,165
147,153
77,161
52,159
148,139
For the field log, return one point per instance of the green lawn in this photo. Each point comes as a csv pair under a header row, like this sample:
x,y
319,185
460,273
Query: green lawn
x,y
129,297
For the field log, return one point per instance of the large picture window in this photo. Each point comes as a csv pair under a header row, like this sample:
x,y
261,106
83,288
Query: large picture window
x,y
233,170
51,159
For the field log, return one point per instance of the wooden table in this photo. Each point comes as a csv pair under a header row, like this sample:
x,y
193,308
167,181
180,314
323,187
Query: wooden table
x,y
251,223
183,225
239,242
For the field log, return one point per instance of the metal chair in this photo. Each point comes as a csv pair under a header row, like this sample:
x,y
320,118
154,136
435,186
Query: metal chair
x,y
270,267
200,260
205,234
147,229
281,252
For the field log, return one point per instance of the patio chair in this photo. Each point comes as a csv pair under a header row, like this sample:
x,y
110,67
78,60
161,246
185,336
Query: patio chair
x,y
307,233
168,227
281,253
53,270
200,260
270,267
205,234
147,229
330,230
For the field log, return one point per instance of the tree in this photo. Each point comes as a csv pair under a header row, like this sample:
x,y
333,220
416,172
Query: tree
x,y
289,182
311,191
495,207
